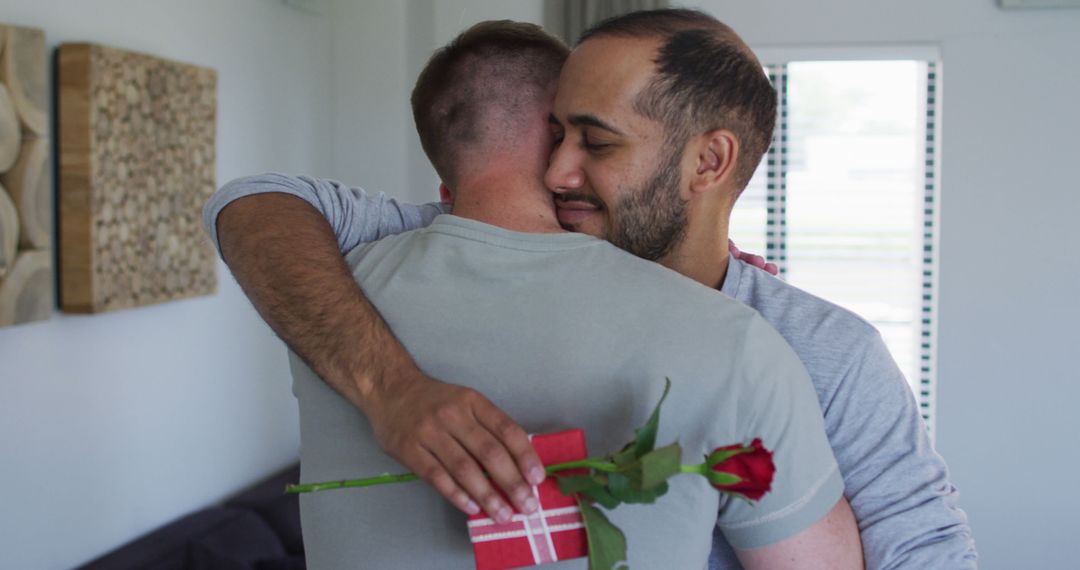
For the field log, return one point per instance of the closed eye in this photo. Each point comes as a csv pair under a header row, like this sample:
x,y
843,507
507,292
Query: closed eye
x,y
594,146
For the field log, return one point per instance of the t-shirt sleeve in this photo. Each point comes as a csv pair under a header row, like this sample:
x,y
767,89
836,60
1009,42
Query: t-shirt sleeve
x,y
782,409
898,486
355,216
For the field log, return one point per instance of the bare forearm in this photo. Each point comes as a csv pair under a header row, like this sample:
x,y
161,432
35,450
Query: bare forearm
x,y
286,259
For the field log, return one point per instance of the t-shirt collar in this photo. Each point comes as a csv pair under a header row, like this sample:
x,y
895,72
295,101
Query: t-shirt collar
x,y
733,277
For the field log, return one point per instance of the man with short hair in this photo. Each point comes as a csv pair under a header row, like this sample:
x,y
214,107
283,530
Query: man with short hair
x,y
579,340
659,178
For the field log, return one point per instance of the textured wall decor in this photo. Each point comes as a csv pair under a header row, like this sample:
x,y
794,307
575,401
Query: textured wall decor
x,y
137,158
26,199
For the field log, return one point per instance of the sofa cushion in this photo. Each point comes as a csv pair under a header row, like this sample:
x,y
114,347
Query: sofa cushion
x,y
280,511
164,548
236,544
191,539
290,563
283,515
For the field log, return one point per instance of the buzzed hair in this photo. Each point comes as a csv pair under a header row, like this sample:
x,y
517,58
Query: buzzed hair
x,y
706,79
472,92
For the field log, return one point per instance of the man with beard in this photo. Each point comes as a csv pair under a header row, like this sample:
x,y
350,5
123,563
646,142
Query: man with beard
x,y
662,117
652,106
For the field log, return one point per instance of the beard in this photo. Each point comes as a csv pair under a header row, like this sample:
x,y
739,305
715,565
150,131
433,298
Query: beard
x,y
651,220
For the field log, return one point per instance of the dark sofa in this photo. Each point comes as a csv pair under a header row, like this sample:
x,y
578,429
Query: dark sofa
x,y
258,529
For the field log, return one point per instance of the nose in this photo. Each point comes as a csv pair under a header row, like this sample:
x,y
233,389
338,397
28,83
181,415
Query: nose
x,y
564,172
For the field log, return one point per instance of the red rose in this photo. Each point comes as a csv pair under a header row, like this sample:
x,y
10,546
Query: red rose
x,y
741,470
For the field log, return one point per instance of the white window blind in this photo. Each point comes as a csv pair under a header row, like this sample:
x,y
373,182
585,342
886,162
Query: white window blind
x,y
844,201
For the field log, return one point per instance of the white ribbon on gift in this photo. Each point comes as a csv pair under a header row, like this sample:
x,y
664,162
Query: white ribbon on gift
x,y
538,528
541,523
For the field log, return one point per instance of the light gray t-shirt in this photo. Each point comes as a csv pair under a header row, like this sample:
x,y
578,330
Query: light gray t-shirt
x,y
898,486
563,331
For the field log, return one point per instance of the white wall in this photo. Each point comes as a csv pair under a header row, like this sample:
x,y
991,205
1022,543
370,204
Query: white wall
x,y
1007,382
371,98
380,48
114,424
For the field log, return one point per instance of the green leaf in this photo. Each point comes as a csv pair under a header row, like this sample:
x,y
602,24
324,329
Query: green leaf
x,y
592,486
623,488
607,544
660,464
626,455
571,484
631,471
645,436
602,495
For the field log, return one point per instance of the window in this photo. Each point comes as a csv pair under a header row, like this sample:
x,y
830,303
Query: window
x,y
844,200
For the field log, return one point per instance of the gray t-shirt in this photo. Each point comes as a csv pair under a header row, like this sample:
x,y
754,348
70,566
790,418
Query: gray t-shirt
x,y
562,331
897,484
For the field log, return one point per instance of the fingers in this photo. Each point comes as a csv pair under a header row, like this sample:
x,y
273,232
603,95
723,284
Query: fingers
x,y
514,438
485,438
431,471
752,259
426,446
458,459
507,455
461,444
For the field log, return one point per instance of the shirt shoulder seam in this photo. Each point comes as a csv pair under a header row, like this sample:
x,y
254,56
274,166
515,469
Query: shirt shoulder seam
x,y
790,509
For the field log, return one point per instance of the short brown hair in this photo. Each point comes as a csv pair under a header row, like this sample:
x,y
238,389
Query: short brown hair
x,y
472,90
706,79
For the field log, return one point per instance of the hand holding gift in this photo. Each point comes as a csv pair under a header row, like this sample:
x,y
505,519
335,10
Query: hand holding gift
x,y
638,473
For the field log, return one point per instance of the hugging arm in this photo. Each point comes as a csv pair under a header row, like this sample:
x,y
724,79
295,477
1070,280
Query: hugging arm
x,y
804,520
831,543
898,485
274,233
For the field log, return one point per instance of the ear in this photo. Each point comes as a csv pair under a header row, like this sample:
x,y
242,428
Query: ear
x,y
445,195
717,152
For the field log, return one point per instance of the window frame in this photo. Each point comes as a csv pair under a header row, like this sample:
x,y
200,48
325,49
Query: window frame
x,y
775,59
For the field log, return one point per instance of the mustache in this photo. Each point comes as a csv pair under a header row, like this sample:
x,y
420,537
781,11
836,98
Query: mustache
x,y
579,197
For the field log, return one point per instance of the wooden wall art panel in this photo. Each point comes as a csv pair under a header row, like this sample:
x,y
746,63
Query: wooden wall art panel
x,y
26,194
137,157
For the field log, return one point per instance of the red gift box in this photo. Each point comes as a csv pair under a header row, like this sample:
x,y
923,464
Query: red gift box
x,y
554,532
